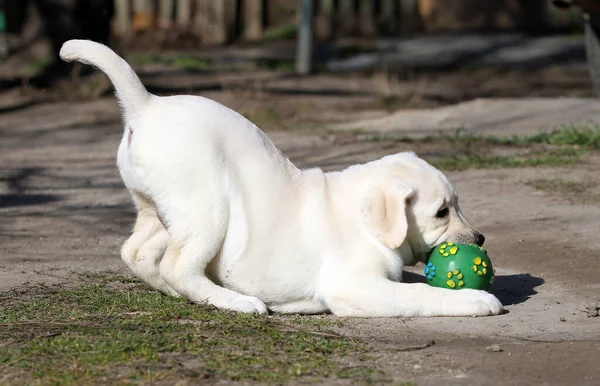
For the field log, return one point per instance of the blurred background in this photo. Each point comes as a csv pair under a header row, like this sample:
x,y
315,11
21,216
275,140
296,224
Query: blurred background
x,y
335,57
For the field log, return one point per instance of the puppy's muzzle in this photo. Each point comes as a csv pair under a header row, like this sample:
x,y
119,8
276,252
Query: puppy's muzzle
x,y
469,238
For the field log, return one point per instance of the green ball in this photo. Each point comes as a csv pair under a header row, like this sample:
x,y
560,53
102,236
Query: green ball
x,y
458,266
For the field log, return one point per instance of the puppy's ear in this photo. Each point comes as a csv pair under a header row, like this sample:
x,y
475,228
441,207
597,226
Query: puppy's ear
x,y
384,211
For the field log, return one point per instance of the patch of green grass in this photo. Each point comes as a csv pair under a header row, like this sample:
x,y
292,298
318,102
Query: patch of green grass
x,y
394,102
283,31
276,64
38,65
584,135
556,157
192,63
187,62
114,329
180,62
562,147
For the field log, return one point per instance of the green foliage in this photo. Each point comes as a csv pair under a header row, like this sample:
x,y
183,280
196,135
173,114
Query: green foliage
x,y
283,31
587,135
183,62
559,157
564,146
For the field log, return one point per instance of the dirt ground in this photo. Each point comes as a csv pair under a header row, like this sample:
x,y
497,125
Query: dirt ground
x,y
63,208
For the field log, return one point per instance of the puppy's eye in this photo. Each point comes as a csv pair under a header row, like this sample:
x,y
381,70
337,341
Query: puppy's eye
x,y
443,212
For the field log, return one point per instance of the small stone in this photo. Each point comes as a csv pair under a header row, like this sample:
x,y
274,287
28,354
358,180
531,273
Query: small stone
x,y
494,348
417,367
563,319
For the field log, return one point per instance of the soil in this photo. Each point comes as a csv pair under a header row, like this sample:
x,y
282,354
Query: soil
x,y
64,209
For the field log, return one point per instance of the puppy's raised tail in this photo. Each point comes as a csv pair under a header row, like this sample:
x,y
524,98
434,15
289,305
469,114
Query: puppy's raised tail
x,y
131,93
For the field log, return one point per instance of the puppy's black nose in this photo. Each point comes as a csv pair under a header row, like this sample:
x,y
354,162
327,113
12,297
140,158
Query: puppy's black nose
x,y
480,239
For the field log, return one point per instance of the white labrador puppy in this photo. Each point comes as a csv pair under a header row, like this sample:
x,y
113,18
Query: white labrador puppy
x,y
225,218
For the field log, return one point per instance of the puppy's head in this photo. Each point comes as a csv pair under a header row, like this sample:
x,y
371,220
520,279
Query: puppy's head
x,y
412,204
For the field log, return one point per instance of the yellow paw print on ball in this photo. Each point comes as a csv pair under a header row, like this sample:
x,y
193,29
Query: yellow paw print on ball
x,y
448,249
455,278
480,266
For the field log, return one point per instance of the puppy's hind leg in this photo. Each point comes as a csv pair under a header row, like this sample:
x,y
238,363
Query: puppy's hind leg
x,y
144,249
189,253
183,267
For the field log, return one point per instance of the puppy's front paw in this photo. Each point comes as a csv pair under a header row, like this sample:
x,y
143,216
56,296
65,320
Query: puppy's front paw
x,y
248,304
487,304
475,303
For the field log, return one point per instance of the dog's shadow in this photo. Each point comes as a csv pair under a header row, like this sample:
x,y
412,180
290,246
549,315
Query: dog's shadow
x,y
509,289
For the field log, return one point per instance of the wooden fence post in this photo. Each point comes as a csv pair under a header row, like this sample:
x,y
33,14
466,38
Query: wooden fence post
x,y
389,16
203,21
215,20
184,14
122,23
366,18
253,19
325,20
165,13
409,16
346,16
